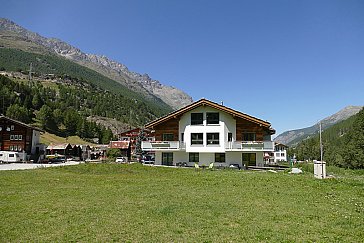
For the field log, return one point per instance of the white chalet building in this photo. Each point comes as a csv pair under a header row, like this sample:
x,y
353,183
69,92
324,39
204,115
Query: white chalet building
x,y
205,132
278,155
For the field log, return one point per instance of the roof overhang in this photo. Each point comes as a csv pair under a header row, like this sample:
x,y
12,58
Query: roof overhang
x,y
205,102
21,123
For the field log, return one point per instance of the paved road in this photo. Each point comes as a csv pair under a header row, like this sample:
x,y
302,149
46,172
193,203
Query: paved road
x,y
21,166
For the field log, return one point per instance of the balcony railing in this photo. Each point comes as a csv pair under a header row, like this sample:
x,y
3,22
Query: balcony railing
x,y
163,145
250,146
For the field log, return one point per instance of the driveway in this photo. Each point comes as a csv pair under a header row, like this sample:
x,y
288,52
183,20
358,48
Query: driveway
x,y
21,166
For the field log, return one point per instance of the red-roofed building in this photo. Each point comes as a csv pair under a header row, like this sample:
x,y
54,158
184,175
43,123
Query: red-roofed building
x,y
124,147
132,137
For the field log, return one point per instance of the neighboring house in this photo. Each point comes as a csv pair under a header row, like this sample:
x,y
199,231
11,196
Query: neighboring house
x,y
278,155
123,146
20,137
280,152
77,151
65,149
98,152
86,151
205,132
132,137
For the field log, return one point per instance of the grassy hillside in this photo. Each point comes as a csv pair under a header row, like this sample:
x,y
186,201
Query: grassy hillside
x,y
48,138
135,203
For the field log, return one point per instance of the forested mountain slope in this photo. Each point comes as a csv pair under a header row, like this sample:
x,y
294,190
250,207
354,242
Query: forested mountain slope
x,y
16,37
293,137
62,105
343,144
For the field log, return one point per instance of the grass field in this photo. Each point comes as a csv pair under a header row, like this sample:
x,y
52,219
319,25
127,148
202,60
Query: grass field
x,y
135,203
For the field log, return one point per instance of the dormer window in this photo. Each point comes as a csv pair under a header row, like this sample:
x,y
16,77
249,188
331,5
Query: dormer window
x,y
196,118
212,118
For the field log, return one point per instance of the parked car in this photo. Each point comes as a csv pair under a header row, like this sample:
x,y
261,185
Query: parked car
x,y
121,160
57,159
148,159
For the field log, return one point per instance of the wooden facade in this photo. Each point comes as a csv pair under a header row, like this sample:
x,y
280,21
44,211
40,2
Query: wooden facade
x,y
61,149
169,127
16,136
244,126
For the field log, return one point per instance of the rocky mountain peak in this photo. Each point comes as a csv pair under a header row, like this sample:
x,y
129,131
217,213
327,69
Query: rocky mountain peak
x,y
292,137
142,83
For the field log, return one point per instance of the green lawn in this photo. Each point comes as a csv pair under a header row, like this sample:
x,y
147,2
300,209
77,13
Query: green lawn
x,y
135,203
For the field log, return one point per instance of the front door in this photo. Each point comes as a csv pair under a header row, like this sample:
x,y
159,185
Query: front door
x,y
249,159
167,158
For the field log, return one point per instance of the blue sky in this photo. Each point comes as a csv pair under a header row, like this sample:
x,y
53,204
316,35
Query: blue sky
x,y
291,62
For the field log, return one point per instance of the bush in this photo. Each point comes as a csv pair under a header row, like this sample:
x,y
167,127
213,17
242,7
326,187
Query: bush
x,y
113,153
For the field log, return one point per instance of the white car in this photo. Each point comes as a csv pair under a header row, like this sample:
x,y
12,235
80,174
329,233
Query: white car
x,y
121,160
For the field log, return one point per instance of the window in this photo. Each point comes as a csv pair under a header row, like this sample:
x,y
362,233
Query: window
x,y
167,158
282,154
11,155
19,148
220,158
11,137
196,118
20,137
230,137
212,138
15,137
194,157
167,137
12,127
249,136
212,118
196,138
11,148
182,137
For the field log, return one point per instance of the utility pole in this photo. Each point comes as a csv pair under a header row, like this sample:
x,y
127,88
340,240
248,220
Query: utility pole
x,y
30,74
3,110
321,152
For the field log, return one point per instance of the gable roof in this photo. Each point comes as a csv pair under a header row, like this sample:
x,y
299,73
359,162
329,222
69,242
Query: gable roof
x,y
119,144
280,144
20,123
205,102
58,146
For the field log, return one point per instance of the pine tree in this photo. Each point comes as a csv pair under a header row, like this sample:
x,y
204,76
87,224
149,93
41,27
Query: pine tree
x,y
45,117
19,113
140,138
354,155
